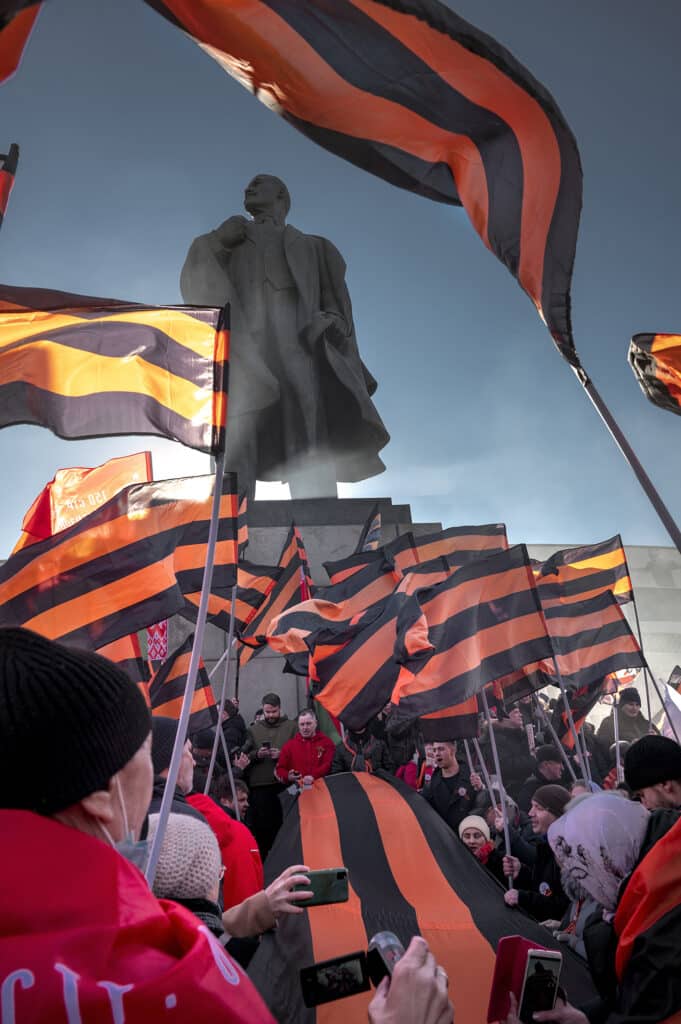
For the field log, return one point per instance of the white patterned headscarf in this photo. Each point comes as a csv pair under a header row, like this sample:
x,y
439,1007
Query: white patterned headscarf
x,y
597,843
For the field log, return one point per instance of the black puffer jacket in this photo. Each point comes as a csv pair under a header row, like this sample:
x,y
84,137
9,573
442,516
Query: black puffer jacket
x,y
540,891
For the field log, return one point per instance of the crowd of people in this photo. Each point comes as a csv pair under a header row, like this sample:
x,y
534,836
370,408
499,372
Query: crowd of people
x,y
593,859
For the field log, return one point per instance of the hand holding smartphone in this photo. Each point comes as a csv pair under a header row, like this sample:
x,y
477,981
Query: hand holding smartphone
x,y
328,886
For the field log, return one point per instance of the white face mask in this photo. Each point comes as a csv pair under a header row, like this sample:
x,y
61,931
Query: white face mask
x,y
135,850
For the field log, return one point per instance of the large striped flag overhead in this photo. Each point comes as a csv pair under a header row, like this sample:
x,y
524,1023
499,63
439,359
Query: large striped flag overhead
x,y
483,622
91,367
408,90
75,492
8,170
167,686
109,574
407,874
575,574
656,362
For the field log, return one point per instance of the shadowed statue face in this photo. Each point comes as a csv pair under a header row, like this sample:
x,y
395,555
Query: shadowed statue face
x,y
265,194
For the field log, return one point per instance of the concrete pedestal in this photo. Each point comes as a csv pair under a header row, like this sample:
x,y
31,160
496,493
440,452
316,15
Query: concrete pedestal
x,y
330,528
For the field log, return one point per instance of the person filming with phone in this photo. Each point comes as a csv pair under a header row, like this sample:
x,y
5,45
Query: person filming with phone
x,y
264,741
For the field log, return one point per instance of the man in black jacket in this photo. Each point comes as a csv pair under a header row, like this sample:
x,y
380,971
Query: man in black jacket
x,y
549,770
538,889
452,788
361,752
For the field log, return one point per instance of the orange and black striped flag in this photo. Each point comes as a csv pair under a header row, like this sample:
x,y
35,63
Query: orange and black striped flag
x,y
483,622
458,544
337,607
656,362
409,91
109,574
17,18
590,639
576,574
127,653
75,492
285,593
167,686
243,524
407,874
8,170
190,554
90,368
254,584
353,663
582,701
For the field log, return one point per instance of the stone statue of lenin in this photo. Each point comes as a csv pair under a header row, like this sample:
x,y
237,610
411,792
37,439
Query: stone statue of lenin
x,y
299,406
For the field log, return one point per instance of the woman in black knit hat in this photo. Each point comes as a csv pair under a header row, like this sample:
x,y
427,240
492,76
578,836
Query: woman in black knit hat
x,y
70,819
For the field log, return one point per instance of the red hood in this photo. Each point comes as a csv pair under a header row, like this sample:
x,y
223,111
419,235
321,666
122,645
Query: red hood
x,y
79,927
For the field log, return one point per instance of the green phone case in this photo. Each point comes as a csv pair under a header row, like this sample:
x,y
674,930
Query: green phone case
x,y
328,886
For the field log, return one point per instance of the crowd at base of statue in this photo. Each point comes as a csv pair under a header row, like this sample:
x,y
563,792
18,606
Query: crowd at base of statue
x,y
598,868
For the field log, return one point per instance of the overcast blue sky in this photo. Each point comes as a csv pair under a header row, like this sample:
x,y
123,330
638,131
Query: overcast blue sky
x,y
134,141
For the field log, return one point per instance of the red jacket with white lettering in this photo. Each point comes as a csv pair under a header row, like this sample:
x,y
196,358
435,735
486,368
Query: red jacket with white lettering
x,y
239,850
311,756
97,945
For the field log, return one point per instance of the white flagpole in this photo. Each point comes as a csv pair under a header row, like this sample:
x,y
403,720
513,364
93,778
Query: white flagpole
x,y
497,768
183,723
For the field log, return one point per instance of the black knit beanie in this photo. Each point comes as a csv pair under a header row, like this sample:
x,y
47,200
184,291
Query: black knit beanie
x,y
552,798
69,720
629,695
650,760
547,752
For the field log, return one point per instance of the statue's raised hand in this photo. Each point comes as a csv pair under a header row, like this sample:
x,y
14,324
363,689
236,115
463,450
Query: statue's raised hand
x,y
232,232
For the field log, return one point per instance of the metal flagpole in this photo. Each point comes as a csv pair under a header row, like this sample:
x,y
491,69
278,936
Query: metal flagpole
x,y
646,670
216,666
183,723
586,756
223,695
230,773
616,726
497,768
627,451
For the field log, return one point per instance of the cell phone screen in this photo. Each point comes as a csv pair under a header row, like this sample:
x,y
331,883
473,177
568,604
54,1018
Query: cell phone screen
x,y
334,979
540,985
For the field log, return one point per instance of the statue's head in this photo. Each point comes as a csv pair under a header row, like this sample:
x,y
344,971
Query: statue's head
x,y
265,193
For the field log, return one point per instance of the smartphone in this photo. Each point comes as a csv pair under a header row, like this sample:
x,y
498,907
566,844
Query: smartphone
x,y
385,949
540,984
328,886
334,979
266,744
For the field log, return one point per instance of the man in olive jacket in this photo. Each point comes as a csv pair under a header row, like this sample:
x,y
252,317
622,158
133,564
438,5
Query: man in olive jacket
x,y
264,741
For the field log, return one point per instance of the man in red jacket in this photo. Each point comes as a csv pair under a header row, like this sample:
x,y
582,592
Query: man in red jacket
x,y
308,755
238,848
